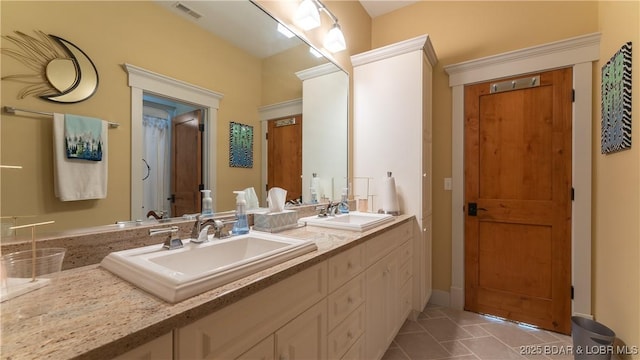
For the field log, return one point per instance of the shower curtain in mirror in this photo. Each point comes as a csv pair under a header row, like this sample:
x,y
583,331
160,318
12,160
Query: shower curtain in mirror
x,y
155,163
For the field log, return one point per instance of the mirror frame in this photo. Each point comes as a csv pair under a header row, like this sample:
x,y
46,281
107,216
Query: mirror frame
x,y
141,81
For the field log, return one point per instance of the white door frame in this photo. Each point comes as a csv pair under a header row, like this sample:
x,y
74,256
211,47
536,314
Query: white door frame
x,y
580,53
141,81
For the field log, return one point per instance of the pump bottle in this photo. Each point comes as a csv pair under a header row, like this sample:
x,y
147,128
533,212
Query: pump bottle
x,y
207,202
242,225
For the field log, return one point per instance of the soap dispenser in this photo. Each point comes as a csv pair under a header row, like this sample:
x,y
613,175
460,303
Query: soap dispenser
x,y
242,225
207,202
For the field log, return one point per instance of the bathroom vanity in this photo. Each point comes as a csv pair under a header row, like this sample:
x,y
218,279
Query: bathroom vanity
x,y
346,300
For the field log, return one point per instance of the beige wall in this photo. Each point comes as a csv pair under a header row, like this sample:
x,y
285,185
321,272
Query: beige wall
x,y
616,191
112,33
462,31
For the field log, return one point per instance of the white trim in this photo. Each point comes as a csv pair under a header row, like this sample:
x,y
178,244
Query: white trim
x,y
440,298
270,112
141,80
422,42
578,52
314,72
574,51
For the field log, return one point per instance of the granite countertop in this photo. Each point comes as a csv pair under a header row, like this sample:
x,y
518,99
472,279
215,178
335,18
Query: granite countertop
x,y
89,313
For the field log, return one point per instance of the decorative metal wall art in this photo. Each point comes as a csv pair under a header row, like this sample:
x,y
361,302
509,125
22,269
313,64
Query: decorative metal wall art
x,y
240,145
616,101
62,72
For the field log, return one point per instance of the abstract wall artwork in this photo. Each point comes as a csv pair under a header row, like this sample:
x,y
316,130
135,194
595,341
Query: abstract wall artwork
x,y
240,145
616,102
60,71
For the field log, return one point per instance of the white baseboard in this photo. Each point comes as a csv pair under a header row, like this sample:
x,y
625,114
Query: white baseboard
x,y
588,316
440,298
457,298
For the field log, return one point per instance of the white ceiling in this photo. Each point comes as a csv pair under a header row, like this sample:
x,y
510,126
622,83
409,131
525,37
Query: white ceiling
x,y
247,26
380,7
238,22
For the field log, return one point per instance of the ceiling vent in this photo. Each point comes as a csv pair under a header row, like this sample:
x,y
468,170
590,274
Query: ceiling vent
x,y
187,10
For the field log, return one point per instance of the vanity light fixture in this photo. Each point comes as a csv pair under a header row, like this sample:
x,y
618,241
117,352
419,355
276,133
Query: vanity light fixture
x,y
334,40
284,31
307,16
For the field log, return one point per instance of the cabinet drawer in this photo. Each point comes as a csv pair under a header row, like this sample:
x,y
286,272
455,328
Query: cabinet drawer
x,y
344,300
404,272
160,348
405,251
253,318
404,231
346,334
356,352
345,266
379,246
264,350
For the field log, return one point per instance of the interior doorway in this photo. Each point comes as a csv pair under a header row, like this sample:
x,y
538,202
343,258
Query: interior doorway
x,y
284,144
172,156
518,186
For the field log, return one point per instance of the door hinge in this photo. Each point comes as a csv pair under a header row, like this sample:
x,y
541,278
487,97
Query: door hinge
x,y
266,187
266,136
201,187
571,292
573,95
201,127
573,194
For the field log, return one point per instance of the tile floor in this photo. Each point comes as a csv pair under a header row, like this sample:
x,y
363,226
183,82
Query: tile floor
x,y
445,333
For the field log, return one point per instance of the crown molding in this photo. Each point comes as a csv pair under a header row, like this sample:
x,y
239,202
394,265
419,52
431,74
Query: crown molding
x,y
422,42
551,55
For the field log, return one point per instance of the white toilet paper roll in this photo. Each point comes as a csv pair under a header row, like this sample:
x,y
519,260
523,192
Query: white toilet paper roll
x,y
388,196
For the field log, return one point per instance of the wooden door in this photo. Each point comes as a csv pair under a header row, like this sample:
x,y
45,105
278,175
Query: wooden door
x,y
284,163
186,163
518,173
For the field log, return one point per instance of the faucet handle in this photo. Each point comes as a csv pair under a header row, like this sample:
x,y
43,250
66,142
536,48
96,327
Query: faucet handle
x,y
172,230
172,242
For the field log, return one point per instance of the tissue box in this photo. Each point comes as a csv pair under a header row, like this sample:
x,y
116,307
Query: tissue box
x,y
274,222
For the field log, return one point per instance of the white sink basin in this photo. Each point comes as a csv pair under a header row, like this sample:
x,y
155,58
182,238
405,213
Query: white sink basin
x,y
355,221
175,275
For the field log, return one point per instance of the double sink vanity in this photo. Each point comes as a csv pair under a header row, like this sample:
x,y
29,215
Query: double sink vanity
x,y
337,288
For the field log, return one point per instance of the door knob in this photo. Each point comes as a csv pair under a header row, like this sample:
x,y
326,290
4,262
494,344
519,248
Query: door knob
x,y
473,209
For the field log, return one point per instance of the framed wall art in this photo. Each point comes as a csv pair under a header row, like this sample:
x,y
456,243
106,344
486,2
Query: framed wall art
x,y
240,145
616,102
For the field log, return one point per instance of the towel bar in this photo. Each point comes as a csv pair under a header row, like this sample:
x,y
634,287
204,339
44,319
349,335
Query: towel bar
x,y
12,110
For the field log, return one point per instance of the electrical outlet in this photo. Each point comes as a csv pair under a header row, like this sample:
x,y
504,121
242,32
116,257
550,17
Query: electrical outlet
x,y
447,183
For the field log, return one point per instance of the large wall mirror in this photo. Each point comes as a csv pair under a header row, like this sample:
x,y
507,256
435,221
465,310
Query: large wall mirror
x,y
264,78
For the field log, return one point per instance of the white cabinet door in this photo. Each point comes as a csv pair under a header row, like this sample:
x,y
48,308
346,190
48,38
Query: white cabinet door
x,y
305,337
381,305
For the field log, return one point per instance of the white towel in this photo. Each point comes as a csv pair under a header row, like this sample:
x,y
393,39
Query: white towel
x,y
76,179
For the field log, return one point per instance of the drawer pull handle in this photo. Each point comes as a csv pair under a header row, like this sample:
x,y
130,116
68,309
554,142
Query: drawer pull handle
x,y
350,300
349,265
349,335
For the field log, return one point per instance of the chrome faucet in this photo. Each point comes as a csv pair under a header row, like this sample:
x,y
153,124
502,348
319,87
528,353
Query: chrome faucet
x,y
172,242
330,210
218,226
